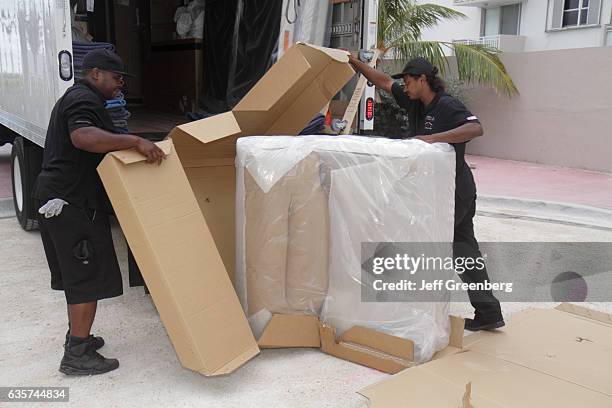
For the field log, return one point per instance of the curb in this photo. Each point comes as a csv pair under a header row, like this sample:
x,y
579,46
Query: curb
x,y
546,211
6,208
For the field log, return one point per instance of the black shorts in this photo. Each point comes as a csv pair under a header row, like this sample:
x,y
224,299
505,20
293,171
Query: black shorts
x,y
81,256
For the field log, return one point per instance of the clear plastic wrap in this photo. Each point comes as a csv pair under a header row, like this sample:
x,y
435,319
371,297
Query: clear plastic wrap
x,y
306,21
312,24
305,204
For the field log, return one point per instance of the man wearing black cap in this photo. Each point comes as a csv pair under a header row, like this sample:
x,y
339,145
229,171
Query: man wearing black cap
x,y
74,208
434,116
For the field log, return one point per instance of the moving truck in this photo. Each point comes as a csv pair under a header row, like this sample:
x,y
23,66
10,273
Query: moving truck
x,y
37,65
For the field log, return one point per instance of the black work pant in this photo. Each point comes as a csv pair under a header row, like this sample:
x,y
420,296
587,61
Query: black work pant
x,y
465,245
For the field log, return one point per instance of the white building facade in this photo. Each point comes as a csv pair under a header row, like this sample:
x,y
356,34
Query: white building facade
x,y
559,54
528,25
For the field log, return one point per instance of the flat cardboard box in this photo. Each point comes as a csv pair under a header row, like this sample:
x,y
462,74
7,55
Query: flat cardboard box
x,y
557,358
370,348
178,218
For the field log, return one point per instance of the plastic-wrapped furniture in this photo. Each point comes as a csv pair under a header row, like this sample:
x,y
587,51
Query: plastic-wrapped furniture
x,y
305,205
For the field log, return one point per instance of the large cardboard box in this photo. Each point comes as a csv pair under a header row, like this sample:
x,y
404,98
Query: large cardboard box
x,y
550,358
179,221
178,217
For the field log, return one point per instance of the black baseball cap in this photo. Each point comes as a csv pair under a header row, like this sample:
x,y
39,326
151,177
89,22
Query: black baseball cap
x,y
105,60
416,66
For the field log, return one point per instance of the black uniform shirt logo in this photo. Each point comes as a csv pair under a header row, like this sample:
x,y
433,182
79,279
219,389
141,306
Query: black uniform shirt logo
x,y
429,120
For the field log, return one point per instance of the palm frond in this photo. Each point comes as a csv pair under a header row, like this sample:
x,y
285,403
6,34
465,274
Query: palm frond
x,y
480,64
407,19
400,27
432,50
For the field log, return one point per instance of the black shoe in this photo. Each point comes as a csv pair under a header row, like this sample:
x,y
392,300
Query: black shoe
x,y
98,342
83,359
477,324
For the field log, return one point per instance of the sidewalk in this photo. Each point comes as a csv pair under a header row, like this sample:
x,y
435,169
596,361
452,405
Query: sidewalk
x,y
522,180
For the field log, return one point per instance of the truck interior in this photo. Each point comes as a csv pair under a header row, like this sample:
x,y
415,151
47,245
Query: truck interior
x,y
195,58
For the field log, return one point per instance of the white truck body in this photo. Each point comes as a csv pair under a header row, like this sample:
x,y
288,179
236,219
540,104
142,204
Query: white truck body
x,y
36,68
32,35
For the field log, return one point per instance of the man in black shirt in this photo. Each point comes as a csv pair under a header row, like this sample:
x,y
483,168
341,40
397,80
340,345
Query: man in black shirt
x,y
74,208
434,116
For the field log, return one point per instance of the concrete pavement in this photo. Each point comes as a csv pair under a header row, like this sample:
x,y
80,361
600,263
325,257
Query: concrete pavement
x,y
33,324
33,321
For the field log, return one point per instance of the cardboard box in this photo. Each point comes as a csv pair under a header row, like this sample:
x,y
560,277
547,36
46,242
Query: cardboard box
x,y
178,217
179,221
179,261
557,358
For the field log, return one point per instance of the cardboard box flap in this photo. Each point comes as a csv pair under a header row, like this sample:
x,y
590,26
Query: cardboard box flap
x,y
180,263
558,344
495,383
384,343
206,142
334,53
289,95
384,352
291,331
589,314
542,358
207,130
455,341
283,79
365,354
132,156
282,102
238,361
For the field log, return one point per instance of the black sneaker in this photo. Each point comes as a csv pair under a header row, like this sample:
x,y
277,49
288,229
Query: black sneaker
x,y
477,324
83,359
98,342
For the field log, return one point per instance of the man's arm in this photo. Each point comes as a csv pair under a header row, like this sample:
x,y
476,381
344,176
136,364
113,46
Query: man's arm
x,y
463,133
378,78
96,140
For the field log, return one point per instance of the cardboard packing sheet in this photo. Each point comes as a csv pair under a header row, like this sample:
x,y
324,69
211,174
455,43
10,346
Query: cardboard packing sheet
x,y
543,358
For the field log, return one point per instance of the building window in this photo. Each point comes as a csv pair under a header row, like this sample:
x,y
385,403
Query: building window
x,y
609,37
568,14
575,12
502,20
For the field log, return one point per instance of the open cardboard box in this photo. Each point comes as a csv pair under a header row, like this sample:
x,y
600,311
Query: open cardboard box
x,y
544,358
179,221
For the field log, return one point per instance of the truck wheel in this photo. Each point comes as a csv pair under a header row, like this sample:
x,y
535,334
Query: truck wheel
x,y
26,160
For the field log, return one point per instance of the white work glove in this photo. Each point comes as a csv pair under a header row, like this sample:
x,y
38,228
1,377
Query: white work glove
x,y
52,207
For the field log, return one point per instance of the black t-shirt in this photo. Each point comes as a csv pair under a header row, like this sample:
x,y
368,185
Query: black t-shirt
x,y
67,172
442,114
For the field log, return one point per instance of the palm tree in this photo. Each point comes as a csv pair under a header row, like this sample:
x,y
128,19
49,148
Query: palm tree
x,y
400,25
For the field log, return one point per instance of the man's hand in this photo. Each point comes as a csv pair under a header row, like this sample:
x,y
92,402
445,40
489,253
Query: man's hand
x,y
149,149
354,62
52,208
378,78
